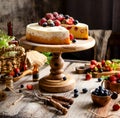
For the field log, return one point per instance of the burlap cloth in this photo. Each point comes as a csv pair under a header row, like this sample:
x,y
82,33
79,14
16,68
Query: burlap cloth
x,y
101,37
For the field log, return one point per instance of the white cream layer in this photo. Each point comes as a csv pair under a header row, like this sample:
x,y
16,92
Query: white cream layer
x,y
47,32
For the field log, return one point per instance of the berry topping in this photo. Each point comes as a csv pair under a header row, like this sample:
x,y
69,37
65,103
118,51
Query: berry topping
x,y
49,16
57,23
71,36
75,22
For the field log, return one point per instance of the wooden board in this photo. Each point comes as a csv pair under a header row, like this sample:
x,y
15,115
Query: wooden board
x,y
97,74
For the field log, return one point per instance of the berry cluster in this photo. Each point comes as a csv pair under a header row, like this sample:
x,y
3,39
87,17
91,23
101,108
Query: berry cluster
x,y
56,19
104,65
100,91
114,78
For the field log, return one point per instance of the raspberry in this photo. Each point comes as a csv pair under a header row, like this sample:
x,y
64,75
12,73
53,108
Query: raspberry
x,y
115,107
29,86
57,22
71,37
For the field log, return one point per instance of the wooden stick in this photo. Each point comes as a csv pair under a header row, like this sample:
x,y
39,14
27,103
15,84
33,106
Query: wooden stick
x,y
26,72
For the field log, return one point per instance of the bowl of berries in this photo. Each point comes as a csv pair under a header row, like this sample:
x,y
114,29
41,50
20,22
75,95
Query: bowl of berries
x,y
102,96
112,82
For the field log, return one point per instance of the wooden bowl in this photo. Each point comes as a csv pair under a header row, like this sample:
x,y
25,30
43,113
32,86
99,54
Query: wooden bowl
x,y
100,100
112,86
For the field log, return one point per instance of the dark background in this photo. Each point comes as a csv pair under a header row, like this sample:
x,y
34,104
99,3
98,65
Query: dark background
x,y
98,14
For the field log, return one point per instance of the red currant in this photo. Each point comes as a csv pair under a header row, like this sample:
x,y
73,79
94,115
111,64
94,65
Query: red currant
x,y
116,107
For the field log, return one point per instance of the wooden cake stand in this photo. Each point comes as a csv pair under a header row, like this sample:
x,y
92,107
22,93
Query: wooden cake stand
x,y
57,81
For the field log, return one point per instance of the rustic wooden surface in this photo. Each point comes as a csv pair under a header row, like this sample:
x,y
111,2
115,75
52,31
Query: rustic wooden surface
x,y
29,107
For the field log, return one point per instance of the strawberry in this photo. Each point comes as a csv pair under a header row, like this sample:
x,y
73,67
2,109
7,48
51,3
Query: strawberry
x,y
55,14
88,76
29,86
103,62
116,107
12,73
49,16
112,78
93,62
69,21
16,70
57,23
118,75
43,20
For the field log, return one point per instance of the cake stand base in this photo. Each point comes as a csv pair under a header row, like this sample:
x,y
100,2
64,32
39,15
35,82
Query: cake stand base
x,y
56,86
56,81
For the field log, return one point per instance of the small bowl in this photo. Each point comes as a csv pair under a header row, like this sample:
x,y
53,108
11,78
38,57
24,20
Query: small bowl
x,y
100,100
112,86
81,69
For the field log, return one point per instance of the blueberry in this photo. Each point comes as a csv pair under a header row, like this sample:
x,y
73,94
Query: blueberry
x,y
74,40
99,79
84,90
114,95
44,24
66,16
20,91
76,22
75,90
100,70
21,86
118,80
64,78
76,95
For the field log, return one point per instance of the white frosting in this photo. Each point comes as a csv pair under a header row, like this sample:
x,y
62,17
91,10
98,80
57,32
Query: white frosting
x,y
47,32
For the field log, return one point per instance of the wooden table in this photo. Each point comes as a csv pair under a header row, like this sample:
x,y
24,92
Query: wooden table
x,y
30,107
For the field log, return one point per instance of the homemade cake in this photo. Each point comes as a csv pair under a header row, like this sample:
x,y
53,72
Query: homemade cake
x,y
80,30
56,29
47,35
77,29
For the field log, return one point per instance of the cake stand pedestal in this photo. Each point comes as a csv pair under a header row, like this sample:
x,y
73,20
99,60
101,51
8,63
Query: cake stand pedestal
x,y
57,81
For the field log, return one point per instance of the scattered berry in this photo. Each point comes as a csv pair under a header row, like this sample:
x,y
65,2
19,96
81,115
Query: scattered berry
x,y
116,107
114,95
88,76
29,86
76,95
99,79
75,90
84,90
64,78
21,86
20,91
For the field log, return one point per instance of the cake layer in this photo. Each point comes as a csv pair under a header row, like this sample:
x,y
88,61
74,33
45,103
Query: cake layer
x,y
47,35
79,30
